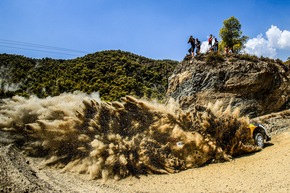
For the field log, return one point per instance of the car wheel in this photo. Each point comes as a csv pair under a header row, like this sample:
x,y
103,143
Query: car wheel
x,y
259,139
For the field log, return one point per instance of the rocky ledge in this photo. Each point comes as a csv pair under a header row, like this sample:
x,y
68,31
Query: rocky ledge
x,y
257,85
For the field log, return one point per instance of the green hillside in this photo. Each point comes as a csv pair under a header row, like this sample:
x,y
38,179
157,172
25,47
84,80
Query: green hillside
x,y
112,73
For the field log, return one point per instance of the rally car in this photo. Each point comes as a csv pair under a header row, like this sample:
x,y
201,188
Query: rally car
x,y
259,134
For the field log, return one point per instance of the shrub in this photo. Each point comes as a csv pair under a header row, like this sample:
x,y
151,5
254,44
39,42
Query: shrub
x,y
214,58
248,57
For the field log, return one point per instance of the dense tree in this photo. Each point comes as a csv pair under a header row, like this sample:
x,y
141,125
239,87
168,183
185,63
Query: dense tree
x,y
231,35
113,74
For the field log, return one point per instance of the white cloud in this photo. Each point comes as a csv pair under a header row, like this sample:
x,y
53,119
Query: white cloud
x,y
260,46
284,41
269,46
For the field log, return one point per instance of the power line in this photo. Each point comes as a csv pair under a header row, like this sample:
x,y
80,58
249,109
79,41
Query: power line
x,y
41,47
37,50
38,45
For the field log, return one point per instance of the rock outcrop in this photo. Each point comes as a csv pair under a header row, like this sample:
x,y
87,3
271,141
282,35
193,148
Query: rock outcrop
x,y
257,85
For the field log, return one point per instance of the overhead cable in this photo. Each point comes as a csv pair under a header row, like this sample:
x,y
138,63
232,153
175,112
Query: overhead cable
x,y
38,50
38,47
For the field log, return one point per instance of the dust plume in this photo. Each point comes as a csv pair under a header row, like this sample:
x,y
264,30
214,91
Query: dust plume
x,y
79,133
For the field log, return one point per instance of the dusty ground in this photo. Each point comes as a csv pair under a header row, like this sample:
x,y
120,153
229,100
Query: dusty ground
x,y
264,171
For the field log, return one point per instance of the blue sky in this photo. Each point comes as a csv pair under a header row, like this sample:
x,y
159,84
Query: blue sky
x,y
157,29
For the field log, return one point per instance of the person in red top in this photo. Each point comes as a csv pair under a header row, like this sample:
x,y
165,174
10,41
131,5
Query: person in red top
x,y
210,40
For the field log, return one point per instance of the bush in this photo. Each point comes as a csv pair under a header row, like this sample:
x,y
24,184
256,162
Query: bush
x,y
248,57
214,58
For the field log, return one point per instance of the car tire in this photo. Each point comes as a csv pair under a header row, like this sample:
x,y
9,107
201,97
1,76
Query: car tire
x,y
259,139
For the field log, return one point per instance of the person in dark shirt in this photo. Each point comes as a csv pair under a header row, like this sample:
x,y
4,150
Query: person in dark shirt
x,y
191,40
197,44
215,45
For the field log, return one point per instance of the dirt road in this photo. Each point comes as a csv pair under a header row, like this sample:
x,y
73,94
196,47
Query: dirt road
x,y
264,171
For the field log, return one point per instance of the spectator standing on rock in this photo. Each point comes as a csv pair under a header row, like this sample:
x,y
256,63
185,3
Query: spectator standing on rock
x,y
215,45
210,41
191,40
197,44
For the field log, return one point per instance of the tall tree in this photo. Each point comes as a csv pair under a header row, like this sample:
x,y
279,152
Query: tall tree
x,y
231,35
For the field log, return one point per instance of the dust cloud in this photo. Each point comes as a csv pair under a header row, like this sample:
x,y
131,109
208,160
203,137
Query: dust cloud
x,y
76,132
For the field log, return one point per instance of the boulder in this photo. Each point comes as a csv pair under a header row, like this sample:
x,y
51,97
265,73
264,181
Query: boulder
x,y
256,85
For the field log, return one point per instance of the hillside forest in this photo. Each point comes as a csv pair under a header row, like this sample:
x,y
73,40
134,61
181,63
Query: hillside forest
x,y
113,74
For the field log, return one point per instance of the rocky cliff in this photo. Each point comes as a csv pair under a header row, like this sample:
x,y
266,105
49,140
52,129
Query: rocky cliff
x,y
257,85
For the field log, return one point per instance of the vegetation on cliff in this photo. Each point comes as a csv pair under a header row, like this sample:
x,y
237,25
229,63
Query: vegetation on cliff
x,y
113,74
231,35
